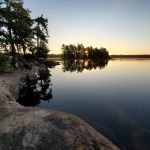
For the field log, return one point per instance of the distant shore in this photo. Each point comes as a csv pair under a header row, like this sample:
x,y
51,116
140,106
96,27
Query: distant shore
x,y
130,56
58,56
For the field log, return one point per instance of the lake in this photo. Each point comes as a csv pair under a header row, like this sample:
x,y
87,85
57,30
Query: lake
x,y
113,97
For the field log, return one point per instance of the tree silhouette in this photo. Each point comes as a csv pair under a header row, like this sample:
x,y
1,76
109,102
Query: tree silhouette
x,y
15,25
40,32
19,32
81,52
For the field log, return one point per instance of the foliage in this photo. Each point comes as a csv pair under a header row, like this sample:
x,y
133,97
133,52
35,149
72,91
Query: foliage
x,y
81,52
15,23
4,63
40,33
20,33
41,51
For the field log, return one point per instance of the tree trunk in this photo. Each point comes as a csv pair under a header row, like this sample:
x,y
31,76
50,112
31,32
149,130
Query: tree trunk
x,y
13,49
14,58
38,40
24,50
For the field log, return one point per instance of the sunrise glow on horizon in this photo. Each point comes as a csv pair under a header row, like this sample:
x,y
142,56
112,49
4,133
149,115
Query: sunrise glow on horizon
x,y
121,26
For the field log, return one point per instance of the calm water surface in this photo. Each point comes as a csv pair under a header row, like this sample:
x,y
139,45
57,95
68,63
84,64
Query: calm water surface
x,y
114,99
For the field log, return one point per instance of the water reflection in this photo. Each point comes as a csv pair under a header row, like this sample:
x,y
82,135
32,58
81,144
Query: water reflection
x,y
36,88
116,101
79,65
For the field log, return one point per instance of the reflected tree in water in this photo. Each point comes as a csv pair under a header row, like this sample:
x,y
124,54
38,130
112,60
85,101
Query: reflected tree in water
x,y
72,65
36,88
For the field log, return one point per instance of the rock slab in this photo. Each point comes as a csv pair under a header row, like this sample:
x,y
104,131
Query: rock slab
x,y
34,128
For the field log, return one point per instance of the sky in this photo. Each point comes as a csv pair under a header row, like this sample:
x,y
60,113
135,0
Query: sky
x,y
121,26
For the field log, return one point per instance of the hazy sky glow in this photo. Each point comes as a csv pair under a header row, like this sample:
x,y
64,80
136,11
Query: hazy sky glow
x,y
122,26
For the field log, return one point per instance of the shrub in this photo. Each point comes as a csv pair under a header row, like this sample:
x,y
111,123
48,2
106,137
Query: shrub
x,y
5,63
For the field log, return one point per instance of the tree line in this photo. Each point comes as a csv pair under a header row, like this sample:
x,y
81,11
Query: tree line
x,y
81,52
20,33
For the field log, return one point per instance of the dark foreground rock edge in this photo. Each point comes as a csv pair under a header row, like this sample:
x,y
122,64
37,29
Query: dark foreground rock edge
x,y
34,128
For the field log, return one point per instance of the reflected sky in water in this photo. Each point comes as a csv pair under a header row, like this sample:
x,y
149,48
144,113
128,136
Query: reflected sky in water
x,y
115,100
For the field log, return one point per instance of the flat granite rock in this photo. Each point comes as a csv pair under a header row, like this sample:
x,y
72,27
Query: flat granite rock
x,y
34,128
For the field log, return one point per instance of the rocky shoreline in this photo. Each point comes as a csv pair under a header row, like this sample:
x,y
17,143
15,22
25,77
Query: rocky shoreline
x,y
34,128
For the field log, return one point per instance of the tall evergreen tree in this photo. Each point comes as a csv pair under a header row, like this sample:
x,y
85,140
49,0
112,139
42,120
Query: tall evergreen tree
x,y
19,32
15,23
40,32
